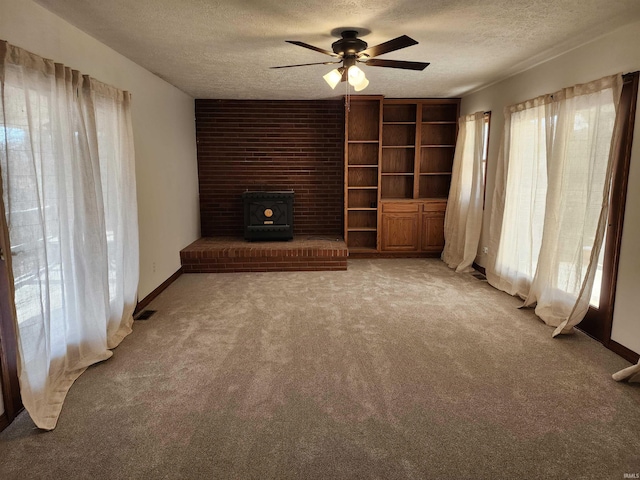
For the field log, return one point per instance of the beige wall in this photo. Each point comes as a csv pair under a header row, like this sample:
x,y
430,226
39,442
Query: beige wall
x,y
616,52
163,126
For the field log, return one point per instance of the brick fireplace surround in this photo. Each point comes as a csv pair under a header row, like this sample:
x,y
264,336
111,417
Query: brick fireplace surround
x,y
248,145
228,254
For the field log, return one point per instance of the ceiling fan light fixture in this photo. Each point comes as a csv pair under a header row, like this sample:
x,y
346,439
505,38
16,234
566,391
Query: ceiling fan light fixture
x,y
362,85
356,76
333,77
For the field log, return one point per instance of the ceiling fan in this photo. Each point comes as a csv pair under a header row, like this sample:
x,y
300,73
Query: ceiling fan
x,y
350,50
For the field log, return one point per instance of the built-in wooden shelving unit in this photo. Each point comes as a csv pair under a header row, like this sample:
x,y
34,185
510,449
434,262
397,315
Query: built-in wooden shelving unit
x,y
398,164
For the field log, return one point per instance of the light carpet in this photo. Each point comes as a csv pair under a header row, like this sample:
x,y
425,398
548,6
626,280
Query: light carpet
x,y
394,369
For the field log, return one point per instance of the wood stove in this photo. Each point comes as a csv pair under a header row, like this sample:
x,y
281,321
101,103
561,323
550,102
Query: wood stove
x,y
268,215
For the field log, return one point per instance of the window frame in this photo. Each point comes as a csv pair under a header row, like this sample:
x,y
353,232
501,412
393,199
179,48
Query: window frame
x,y
598,322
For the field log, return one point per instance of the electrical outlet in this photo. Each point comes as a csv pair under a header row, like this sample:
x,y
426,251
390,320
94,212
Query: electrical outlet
x,y
485,250
154,267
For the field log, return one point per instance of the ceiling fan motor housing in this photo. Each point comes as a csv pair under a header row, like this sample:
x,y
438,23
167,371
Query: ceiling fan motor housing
x,y
349,45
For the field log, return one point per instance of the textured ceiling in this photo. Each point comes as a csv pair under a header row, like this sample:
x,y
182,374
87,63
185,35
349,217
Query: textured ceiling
x,y
223,49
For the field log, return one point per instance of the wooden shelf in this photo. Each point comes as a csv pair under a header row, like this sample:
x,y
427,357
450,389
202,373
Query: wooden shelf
x,y
434,186
362,240
363,122
398,151
399,113
444,111
398,134
362,177
436,160
362,198
362,154
363,137
438,133
395,186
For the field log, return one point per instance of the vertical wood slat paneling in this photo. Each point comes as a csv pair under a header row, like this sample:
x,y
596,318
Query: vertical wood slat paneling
x,y
270,145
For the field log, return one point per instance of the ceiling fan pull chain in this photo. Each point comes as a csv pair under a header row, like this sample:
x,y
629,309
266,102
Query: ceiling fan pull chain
x,y
347,96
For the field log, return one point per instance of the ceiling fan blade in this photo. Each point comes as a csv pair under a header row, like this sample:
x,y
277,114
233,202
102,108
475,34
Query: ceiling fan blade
x,y
375,62
390,46
311,47
305,64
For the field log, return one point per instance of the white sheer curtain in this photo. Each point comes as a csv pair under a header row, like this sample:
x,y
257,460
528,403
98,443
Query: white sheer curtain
x,y
69,198
517,214
117,173
630,374
548,225
463,218
579,180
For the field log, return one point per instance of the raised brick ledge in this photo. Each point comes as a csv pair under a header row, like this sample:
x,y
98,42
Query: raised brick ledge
x,y
230,254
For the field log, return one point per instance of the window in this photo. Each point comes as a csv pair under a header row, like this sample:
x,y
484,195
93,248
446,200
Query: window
x,y
67,164
463,217
555,174
485,154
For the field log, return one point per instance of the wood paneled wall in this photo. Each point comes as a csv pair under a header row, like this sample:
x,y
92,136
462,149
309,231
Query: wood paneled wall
x,y
270,145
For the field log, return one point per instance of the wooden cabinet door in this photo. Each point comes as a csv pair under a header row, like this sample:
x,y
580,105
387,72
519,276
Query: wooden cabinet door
x,y
433,231
400,232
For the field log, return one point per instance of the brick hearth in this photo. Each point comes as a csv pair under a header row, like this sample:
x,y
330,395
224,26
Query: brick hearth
x,y
229,254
